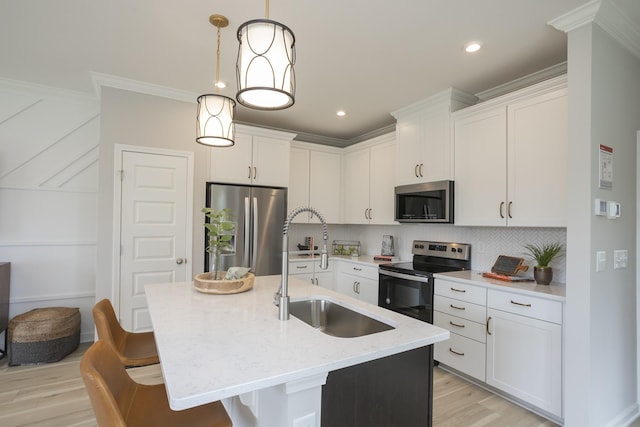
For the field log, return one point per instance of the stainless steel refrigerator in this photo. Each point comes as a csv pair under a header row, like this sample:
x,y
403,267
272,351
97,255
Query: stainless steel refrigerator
x,y
259,213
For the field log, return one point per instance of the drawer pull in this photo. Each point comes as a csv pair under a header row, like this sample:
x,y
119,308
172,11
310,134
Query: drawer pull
x,y
521,304
301,266
357,269
455,324
488,320
458,290
457,308
455,352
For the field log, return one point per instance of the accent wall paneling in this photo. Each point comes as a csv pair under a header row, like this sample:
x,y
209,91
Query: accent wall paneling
x,y
48,184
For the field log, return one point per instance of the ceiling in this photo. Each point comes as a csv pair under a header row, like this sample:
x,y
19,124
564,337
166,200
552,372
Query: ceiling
x,y
366,57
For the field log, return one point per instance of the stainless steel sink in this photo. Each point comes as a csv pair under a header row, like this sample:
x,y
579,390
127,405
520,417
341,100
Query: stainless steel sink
x,y
334,319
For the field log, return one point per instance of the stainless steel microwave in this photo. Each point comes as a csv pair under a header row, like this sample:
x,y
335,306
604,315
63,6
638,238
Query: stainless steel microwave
x,y
426,202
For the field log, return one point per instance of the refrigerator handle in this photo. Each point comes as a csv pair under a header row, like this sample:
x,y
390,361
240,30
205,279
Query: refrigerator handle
x,y
247,231
255,234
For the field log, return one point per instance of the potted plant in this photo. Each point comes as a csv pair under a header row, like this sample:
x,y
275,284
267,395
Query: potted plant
x,y
543,254
220,230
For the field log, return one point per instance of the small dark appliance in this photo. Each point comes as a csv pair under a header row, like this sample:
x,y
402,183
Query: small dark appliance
x,y
407,288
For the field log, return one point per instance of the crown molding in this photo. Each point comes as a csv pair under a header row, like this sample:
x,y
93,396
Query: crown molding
x,y
608,16
445,97
528,80
42,90
99,80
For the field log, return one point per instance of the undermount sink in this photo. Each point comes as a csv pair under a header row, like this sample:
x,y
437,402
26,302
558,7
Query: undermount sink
x,y
334,319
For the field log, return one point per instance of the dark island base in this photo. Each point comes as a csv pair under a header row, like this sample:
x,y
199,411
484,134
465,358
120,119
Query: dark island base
x,y
395,391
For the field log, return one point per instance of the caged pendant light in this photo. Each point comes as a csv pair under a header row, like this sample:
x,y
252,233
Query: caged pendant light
x,y
264,69
214,122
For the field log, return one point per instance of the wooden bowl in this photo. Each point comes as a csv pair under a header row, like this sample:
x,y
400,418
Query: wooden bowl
x,y
204,283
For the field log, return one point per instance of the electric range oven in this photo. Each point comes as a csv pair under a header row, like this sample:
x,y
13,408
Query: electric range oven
x,y
407,288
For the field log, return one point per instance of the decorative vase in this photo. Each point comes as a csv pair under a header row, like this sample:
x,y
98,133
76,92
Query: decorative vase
x,y
542,275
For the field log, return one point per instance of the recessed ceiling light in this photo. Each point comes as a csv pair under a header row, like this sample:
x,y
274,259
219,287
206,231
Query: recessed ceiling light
x,y
472,47
341,113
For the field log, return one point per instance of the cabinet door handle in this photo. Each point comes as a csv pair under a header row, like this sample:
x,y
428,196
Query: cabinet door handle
x,y
520,303
501,208
255,172
301,267
357,269
457,308
455,324
458,290
249,176
370,213
455,352
415,171
509,209
317,283
488,320
420,170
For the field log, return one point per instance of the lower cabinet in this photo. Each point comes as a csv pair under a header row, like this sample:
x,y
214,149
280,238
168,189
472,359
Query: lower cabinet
x,y
358,281
309,270
510,341
524,349
396,390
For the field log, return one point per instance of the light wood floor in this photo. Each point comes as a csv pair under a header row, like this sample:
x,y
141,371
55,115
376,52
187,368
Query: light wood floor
x,y
53,395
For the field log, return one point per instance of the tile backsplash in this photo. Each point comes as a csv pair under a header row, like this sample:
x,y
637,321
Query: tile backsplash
x,y
486,242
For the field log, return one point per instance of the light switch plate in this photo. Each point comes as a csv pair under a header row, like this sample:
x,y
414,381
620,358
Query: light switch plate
x,y
620,259
601,260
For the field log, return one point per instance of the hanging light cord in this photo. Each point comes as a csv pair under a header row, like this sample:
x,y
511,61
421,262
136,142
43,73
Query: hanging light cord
x,y
218,63
266,11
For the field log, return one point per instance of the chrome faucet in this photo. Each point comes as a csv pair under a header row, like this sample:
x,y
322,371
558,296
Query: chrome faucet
x,y
281,298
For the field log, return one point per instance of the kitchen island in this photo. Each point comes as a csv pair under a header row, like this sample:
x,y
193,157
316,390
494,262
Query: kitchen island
x,y
267,372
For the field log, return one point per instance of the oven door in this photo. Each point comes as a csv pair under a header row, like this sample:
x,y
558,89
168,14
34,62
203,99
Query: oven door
x,y
406,294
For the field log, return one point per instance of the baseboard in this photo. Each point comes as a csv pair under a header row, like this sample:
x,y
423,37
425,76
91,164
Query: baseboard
x,y
626,417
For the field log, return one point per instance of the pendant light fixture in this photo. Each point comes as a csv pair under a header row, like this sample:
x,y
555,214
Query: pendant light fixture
x,y
214,122
264,69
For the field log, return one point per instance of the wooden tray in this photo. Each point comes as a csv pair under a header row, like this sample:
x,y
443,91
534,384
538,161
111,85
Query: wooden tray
x,y
205,284
508,265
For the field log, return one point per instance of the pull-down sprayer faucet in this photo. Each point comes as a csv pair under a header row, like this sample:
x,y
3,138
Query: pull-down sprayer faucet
x,y
281,298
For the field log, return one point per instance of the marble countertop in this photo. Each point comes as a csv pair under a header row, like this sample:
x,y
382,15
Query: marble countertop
x,y
554,291
217,346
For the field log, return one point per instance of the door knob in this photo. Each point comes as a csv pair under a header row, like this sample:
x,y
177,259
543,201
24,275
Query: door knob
x,y
180,261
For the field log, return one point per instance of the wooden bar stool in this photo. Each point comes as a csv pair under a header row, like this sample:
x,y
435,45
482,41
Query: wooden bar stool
x,y
119,401
133,348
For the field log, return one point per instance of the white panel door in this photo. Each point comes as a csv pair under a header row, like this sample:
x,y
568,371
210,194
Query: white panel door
x,y
270,160
299,182
153,230
233,164
382,183
356,187
325,185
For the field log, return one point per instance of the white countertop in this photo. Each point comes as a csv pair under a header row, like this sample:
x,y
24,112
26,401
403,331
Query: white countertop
x,y
362,259
217,346
554,291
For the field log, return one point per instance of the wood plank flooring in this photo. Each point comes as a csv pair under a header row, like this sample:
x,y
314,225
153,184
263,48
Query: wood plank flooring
x,y
53,395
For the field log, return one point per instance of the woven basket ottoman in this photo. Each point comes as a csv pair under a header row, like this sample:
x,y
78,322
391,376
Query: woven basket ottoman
x,y
43,335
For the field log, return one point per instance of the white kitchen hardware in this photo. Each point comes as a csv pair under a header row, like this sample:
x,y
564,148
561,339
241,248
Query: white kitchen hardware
x,y
510,158
315,179
369,177
357,280
423,137
259,157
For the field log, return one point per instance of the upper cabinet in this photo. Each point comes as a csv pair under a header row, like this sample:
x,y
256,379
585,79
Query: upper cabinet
x,y
424,151
316,180
511,159
369,181
259,157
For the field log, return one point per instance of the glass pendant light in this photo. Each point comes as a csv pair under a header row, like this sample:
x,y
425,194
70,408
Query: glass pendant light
x,y
214,122
264,69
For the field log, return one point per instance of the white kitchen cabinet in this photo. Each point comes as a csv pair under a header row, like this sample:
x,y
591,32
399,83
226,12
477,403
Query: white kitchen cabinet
x,y
424,150
369,182
511,157
524,348
316,180
461,309
309,270
358,281
259,157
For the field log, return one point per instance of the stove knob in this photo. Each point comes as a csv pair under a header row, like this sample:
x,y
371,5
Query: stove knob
x,y
453,249
459,250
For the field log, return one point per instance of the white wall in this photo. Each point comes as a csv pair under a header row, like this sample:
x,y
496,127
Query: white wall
x,y
144,120
604,106
48,184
